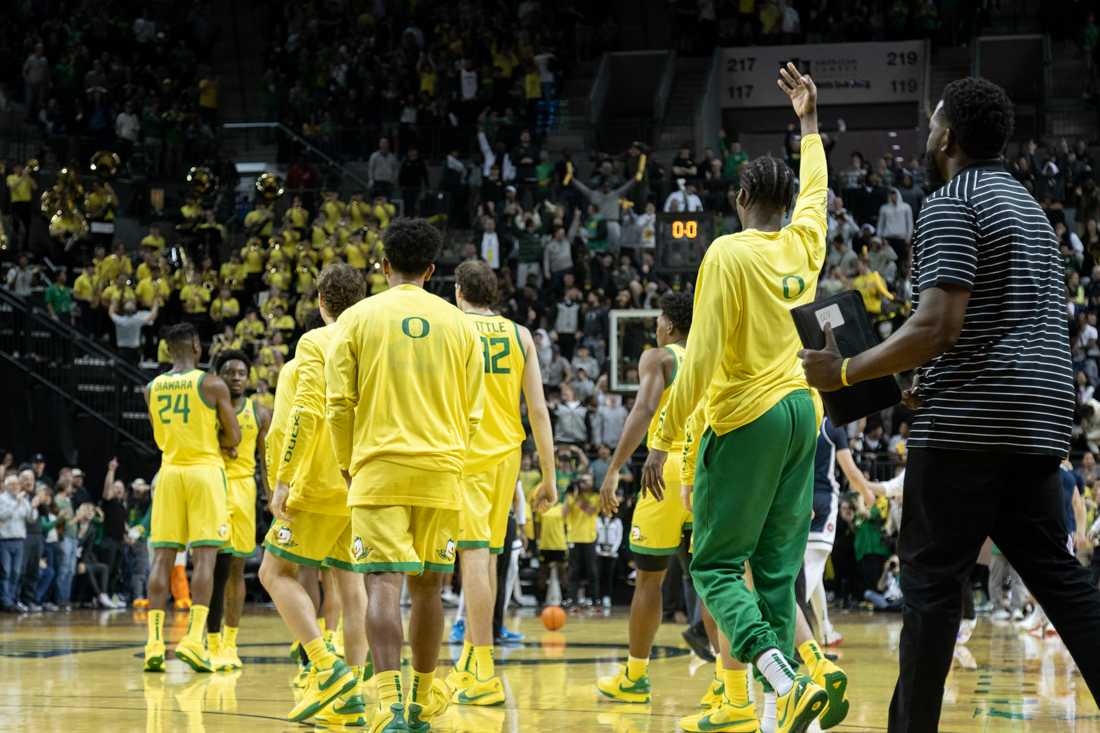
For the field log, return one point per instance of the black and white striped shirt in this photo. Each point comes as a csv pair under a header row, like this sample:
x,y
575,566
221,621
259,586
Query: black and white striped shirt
x,y
1007,384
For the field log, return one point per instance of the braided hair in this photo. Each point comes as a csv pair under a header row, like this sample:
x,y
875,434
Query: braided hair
x,y
767,182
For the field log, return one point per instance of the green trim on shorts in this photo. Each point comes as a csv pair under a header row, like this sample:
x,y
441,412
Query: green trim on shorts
x,y
473,544
496,550
167,545
331,562
290,556
387,567
439,567
234,553
207,543
660,551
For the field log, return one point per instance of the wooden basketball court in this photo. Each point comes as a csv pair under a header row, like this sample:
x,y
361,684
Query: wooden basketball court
x,y
82,672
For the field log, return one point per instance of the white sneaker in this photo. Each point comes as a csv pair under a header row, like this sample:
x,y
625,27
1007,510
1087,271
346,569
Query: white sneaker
x,y
104,601
966,630
1001,614
450,600
1033,621
1018,614
832,637
607,602
964,657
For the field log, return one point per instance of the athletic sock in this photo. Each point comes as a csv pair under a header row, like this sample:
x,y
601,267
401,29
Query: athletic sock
x,y
319,653
767,723
810,653
196,622
389,688
636,668
718,668
483,658
340,629
776,670
421,687
229,635
213,640
466,659
321,625
156,625
737,686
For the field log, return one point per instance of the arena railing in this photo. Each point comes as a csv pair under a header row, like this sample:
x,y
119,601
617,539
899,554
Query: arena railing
x,y
91,377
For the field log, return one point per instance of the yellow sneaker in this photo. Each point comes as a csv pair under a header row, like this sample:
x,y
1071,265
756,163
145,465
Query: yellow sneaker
x,y
481,692
323,686
723,717
194,655
458,679
301,680
229,659
621,688
391,720
154,656
803,704
715,695
834,681
439,699
347,710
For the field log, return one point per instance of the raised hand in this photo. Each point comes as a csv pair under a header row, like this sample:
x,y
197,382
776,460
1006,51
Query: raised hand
x,y
800,89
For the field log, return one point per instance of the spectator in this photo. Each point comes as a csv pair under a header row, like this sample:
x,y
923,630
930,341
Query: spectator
x,y
128,325
570,419
606,202
557,370
873,289
895,223
59,299
583,359
36,80
15,511
382,169
684,198
34,541
609,421
609,537
113,538
413,180
67,541
842,258
883,259
583,386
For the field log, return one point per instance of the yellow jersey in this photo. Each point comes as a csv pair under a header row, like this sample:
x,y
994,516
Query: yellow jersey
x,y
244,465
873,289
253,257
581,526
184,425
20,188
285,388
651,439
748,283
151,242
84,288
224,309
503,361
552,529
307,462
404,380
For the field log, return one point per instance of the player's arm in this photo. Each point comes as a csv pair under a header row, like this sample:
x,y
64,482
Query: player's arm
x,y
216,392
652,378
307,411
809,217
538,415
263,418
475,381
717,306
693,432
341,396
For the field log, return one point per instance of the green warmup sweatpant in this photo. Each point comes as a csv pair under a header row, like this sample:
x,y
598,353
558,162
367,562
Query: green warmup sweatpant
x,y
753,500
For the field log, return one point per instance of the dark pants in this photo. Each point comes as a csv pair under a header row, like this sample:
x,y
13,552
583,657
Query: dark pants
x,y
11,570
109,553
953,501
33,547
582,561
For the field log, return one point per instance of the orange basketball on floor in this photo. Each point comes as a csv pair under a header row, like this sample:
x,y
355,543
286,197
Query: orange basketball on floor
x,y
553,618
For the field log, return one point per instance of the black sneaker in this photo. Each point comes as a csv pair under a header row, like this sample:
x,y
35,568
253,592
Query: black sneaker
x,y
699,642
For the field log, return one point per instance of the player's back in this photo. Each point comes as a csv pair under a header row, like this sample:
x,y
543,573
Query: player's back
x,y
677,352
184,425
503,361
409,365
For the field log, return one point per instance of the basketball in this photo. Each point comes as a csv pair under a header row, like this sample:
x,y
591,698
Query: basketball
x,y
553,618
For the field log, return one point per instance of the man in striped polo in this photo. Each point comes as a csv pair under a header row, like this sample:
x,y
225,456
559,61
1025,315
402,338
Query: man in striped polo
x,y
990,344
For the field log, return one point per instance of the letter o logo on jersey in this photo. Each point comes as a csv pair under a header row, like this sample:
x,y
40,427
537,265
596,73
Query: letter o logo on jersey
x,y
793,280
415,327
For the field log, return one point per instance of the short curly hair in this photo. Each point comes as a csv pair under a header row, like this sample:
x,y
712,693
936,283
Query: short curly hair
x,y
228,355
768,182
180,337
981,114
341,286
411,245
478,283
677,308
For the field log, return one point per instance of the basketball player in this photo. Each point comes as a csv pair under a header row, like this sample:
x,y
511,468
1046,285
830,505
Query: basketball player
x,y
240,468
756,456
405,376
193,420
491,472
312,525
660,528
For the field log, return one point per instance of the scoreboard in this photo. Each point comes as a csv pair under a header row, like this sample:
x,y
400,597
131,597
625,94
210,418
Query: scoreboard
x,y
682,239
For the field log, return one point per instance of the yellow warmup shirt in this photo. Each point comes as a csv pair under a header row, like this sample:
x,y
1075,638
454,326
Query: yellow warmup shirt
x,y
20,188
253,219
552,529
250,330
223,309
405,379
184,425
244,465
84,288
652,440
194,298
503,360
307,462
873,289
296,217
151,242
747,360
530,480
582,526
253,258
355,255
146,292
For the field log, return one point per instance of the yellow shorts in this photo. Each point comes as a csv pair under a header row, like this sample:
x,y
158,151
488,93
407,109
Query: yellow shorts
x,y
312,539
659,525
486,500
242,517
403,539
189,507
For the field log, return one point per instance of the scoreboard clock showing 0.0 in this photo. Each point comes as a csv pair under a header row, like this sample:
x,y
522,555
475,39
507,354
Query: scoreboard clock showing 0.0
x,y
682,239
